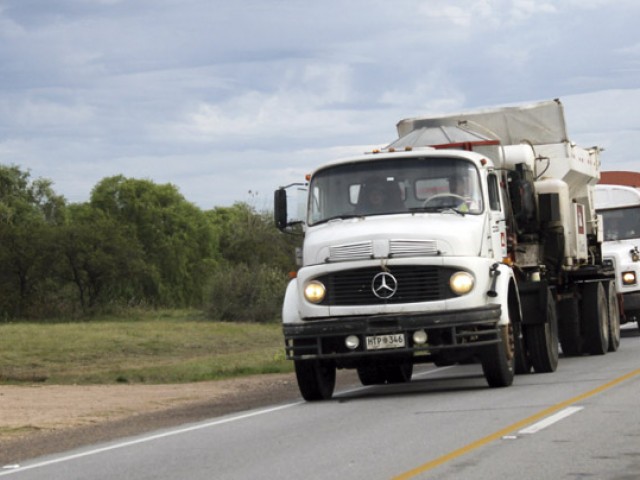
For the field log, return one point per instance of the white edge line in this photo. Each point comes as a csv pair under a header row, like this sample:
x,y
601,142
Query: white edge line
x,y
556,417
17,469
146,439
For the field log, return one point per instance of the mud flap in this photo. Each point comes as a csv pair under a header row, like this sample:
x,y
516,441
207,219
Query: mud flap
x,y
533,301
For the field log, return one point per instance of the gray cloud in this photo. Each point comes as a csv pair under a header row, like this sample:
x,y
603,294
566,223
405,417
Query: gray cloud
x,y
222,98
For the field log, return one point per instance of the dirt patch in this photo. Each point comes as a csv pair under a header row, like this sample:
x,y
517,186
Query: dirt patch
x,y
39,419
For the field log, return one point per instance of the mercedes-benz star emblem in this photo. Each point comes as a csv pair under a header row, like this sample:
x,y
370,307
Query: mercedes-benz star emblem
x,y
384,285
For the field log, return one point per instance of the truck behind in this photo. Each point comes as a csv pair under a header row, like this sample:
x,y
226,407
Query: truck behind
x,y
619,205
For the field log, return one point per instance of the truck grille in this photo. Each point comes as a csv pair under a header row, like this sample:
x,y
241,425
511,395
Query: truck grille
x,y
415,284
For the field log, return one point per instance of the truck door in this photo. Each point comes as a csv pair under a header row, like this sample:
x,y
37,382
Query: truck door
x,y
497,219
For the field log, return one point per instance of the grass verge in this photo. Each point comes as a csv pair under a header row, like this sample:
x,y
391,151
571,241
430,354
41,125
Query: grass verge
x,y
148,347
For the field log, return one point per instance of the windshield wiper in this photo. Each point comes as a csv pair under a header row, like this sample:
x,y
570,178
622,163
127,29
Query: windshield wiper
x,y
456,210
338,217
436,210
425,209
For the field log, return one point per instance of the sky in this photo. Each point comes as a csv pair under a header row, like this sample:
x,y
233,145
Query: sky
x,y
228,100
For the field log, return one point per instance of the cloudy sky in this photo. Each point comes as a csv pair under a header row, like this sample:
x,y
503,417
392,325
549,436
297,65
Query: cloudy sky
x,y
228,100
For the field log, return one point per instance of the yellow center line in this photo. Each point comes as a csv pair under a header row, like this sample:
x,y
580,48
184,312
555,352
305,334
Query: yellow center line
x,y
511,428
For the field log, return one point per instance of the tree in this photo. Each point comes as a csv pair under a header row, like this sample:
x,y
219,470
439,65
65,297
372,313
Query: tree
x,y
29,213
102,259
24,201
177,240
250,238
249,285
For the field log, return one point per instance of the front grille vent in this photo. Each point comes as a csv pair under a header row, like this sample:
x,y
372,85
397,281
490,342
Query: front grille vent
x,y
415,284
412,248
352,251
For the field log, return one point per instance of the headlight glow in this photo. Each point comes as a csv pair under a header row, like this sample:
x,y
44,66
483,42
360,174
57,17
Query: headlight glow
x,y
315,291
461,283
629,278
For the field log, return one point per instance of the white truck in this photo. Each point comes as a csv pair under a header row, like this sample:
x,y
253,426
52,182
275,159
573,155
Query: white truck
x,y
472,237
619,206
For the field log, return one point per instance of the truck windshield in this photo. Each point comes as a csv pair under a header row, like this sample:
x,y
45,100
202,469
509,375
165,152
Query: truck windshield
x,y
621,223
392,186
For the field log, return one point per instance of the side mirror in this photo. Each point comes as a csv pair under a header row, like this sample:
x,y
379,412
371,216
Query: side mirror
x,y
299,201
280,208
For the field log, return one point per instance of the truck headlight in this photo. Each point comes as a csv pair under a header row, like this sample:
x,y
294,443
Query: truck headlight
x,y
461,282
628,278
315,291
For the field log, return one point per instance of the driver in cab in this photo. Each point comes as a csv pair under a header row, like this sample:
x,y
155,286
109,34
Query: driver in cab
x,y
380,196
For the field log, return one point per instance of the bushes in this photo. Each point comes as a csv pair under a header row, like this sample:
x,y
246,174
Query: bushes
x,y
250,283
135,243
241,293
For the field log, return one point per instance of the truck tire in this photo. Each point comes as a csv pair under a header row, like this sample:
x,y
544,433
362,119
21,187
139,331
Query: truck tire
x,y
498,361
542,339
595,317
316,379
523,363
569,327
614,316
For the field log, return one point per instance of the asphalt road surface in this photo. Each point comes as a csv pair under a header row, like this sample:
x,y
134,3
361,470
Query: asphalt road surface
x,y
581,422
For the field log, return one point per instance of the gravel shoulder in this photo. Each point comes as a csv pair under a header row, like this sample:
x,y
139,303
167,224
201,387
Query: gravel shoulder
x,y
36,420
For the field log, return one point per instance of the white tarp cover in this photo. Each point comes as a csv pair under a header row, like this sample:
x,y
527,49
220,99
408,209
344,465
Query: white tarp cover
x,y
539,123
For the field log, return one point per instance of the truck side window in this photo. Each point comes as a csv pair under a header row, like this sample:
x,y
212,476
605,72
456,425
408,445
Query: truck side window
x,y
494,193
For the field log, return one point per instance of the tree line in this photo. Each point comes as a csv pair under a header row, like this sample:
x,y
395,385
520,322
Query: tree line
x,y
135,243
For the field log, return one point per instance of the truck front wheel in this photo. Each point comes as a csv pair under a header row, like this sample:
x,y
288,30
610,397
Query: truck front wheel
x,y
614,317
316,379
498,361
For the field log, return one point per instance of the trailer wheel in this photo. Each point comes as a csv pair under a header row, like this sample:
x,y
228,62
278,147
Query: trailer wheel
x,y
523,363
569,327
542,340
316,379
614,317
595,316
498,361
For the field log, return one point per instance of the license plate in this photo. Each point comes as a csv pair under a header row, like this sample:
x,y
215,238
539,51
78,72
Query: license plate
x,y
381,342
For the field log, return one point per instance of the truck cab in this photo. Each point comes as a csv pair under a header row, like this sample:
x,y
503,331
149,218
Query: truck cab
x,y
401,264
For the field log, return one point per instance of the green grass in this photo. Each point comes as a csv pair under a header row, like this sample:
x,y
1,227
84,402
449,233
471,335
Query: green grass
x,y
147,347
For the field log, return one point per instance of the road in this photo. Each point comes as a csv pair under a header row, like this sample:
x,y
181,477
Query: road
x,y
582,421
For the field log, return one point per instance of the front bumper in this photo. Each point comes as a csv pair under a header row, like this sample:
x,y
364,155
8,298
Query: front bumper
x,y
631,302
325,339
